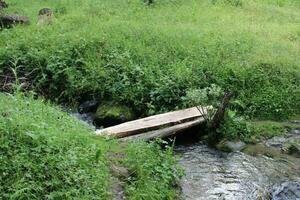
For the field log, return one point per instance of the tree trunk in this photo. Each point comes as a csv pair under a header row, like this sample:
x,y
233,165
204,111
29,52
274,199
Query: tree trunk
x,y
217,120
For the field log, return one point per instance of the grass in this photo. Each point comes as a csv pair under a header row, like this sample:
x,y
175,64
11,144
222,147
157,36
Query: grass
x,y
145,57
255,131
47,154
148,57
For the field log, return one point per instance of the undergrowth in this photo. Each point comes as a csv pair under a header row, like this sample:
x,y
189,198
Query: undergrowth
x,y
47,154
149,57
249,131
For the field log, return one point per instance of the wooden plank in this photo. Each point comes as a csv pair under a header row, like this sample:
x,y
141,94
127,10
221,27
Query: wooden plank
x,y
151,123
165,132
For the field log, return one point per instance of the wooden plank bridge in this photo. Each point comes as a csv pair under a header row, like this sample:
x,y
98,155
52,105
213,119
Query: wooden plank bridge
x,y
157,126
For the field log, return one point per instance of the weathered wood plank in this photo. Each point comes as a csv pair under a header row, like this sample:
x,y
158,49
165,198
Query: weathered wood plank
x,y
165,132
151,123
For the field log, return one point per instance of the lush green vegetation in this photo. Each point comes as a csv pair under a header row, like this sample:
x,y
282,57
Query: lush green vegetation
x,y
148,57
46,154
253,131
151,58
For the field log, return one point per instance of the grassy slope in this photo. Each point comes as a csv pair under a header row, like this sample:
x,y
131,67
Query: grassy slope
x,y
46,154
148,57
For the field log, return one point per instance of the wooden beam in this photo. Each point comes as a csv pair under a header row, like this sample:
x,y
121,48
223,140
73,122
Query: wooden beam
x,y
151,123
165,132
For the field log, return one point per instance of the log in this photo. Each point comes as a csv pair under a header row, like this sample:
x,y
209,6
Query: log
x,y
165,132
151,123
8,20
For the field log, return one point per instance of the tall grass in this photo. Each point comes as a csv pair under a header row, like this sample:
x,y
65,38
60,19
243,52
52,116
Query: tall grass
x,y
47,154
148,57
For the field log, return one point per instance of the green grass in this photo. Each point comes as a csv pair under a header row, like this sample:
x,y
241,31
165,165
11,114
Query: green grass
x,y
255,131
148,57
47,154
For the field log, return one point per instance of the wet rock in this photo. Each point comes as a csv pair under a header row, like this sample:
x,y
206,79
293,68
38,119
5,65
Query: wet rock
x,y
8,20
230,146
261,149
3,4
286,191
109,114
295,132
283,143
276,142
88,106
296,121
294,150
88,118
45,16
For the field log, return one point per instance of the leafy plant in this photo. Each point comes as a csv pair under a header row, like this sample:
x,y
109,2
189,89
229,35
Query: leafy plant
x,y
207,100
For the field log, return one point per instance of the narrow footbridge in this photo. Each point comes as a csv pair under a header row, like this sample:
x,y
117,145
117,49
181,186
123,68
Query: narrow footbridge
x,y
156,126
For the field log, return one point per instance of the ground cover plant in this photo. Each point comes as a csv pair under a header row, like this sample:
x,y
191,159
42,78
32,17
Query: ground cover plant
x,y
47,154
148,57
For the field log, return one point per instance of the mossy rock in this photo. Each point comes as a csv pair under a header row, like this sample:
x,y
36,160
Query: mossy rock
x,y
230,146
261,149
109,114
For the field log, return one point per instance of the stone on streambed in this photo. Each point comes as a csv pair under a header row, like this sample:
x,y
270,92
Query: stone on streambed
x,y
294,150
287,190
288,143
88,106
109,114
231,146
295,121
295,132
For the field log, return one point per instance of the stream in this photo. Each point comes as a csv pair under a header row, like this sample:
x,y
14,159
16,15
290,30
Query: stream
x,y
214,175
211,174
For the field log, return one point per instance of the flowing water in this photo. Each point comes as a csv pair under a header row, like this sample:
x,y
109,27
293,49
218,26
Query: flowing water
x,y
211,174
214,175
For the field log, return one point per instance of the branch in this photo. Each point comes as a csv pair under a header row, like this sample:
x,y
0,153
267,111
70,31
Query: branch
x,y
219,115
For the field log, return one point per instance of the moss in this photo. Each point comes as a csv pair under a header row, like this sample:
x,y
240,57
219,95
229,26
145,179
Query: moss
x,y
260,149
110,114
223,147
230,146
